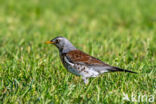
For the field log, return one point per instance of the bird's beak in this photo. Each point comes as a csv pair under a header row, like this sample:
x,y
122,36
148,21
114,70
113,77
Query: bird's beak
x,y
49,42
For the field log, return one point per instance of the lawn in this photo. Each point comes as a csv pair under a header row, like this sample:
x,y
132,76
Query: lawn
x,y
119,32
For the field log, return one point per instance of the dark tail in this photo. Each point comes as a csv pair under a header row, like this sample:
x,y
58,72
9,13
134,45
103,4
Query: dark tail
x,y
123,70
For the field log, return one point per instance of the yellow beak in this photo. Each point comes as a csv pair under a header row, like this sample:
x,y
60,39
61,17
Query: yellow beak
x,y
49,42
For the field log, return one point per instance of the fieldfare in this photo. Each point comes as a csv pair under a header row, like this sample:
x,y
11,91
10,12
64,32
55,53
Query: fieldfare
x,y
80,63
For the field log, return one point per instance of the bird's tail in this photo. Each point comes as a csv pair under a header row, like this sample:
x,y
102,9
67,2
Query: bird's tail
x,y
123,70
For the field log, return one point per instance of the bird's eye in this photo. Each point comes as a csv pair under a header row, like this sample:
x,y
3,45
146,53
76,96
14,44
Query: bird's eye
x,y
57,41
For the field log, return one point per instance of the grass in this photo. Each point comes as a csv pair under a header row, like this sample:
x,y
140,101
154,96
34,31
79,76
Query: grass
x,y
119,32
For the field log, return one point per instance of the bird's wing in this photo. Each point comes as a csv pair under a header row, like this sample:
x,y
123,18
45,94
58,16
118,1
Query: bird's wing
x,y
77,56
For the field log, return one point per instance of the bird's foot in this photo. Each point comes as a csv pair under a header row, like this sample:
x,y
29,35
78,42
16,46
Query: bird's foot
x,y
85,80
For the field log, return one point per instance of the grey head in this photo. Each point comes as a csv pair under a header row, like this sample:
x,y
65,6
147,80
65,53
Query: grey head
x,y
63,44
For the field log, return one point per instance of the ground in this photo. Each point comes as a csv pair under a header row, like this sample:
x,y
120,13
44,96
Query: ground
x,y
119,32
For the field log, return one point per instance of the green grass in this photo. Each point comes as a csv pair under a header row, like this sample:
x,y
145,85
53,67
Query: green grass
x,y
119,32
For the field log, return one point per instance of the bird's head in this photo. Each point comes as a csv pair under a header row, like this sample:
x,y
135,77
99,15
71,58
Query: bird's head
x,y
62,44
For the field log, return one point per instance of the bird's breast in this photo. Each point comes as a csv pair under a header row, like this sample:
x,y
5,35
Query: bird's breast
x,y
68,65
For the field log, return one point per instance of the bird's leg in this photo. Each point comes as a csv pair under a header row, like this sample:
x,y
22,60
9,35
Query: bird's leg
x,y
85,80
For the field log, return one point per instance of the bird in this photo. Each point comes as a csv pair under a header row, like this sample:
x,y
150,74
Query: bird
x,y
81,63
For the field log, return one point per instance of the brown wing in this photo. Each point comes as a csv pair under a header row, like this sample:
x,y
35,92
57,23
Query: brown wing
x,y
77,56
